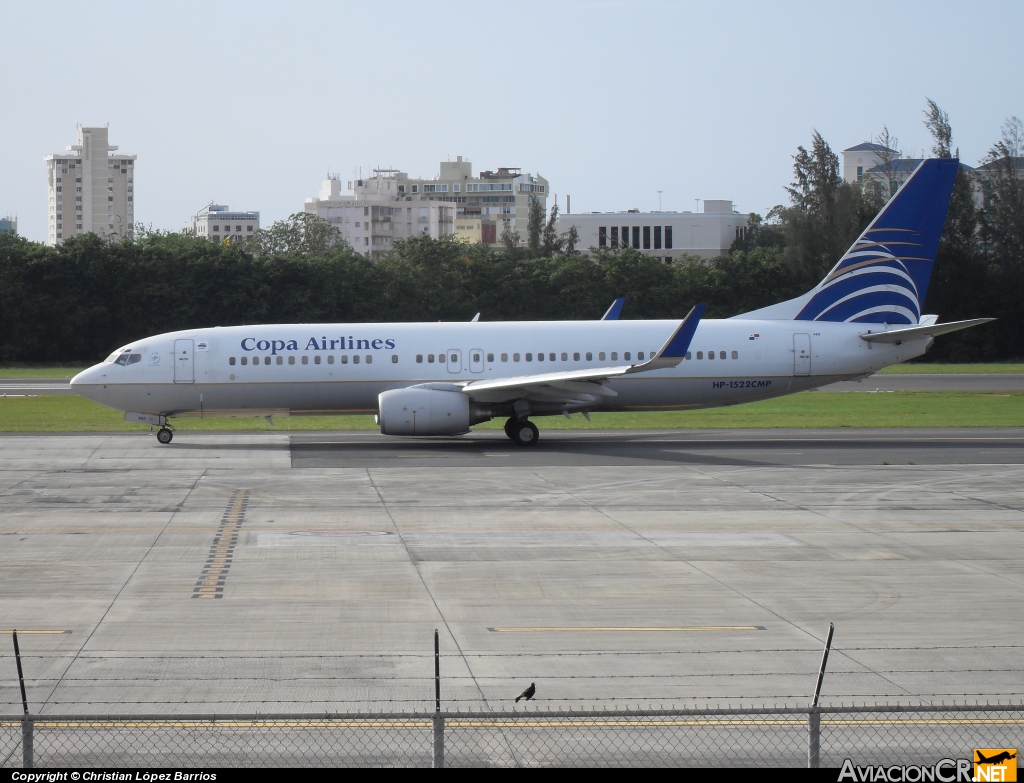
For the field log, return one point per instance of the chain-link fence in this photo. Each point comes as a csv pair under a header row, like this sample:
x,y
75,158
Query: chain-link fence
x,y
785,737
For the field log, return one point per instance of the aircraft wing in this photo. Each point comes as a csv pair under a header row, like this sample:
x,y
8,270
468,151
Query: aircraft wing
x,y
898,336
582,386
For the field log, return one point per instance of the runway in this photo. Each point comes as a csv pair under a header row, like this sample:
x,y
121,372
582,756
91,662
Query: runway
x,y
242,572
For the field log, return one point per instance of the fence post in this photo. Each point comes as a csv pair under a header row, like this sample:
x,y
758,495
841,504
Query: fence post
x,y
814,714
26,725
438,722
813,738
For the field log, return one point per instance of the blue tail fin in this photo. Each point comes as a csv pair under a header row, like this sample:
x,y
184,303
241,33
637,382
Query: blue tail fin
x,y
883,277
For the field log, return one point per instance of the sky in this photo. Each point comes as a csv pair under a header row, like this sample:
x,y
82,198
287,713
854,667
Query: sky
x,y
251,104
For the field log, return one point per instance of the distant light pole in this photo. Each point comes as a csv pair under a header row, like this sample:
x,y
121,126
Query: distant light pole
x,y
659,201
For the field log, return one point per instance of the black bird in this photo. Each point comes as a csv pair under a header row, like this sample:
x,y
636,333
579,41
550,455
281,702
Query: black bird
x,y
528,693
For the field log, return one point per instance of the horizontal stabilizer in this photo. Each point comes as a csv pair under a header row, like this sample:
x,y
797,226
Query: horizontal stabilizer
x,y
897,336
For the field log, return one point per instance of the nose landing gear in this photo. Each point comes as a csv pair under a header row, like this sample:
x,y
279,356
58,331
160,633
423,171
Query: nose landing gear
x,y
165,435
522,432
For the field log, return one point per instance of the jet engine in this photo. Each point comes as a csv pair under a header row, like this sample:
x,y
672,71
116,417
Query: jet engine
x,y
427,412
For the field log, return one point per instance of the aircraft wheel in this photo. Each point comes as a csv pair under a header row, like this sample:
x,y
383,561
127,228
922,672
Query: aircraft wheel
x,y
525,433
508,427
164,435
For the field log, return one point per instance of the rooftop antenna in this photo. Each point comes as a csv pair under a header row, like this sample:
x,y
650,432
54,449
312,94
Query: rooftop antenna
x,y
659,201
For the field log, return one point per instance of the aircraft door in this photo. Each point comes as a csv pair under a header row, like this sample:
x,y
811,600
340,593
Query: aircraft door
x,y
476,360
801,354
184,371
454,360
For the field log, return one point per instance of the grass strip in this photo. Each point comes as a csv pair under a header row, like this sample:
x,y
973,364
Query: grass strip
x,y
804,410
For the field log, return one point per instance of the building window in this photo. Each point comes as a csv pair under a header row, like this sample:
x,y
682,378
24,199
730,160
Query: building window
x,y
248,228
636,237
657,237
602,236
668,237
615,236
415,188
647,237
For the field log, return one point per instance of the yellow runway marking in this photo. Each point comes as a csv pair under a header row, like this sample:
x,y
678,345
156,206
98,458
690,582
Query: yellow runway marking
x,y
627,629
522,722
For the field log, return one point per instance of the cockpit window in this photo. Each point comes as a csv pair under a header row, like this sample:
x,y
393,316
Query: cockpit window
x,y
128,358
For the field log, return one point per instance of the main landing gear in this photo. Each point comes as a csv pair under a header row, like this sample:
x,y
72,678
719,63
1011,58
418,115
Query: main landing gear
x,y
165,435
522,432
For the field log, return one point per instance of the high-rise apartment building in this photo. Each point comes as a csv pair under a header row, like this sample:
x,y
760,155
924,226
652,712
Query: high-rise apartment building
x,y
90,189
9,223
377,214
218,223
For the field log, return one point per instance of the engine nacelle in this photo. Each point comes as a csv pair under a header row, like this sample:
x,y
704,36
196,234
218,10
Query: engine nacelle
x,y
423,412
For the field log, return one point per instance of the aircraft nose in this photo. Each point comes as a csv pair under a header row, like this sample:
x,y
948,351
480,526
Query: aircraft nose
x,y
89,376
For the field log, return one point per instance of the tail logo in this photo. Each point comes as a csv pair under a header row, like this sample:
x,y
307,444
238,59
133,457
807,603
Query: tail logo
x,y
870,284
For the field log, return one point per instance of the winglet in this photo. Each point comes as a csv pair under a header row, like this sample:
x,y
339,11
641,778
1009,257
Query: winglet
x,y
674,350
612,313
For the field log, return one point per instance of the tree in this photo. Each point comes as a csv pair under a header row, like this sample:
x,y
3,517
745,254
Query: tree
x,y
511,240
303,234
551,243
534,226
888,155
937,123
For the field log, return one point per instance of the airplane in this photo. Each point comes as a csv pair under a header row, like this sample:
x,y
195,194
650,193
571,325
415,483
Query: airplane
x,y
1004,756
429,379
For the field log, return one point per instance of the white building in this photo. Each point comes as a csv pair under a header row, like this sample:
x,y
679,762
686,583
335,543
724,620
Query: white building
x,y
377,213
217,223
90,189
667,235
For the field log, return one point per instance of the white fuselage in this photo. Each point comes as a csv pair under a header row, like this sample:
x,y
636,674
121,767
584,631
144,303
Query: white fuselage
x,y
342,368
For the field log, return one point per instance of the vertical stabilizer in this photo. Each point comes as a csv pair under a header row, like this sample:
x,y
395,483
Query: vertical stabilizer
x,y
883,277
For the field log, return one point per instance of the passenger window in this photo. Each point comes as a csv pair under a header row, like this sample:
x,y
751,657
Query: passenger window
x,y
441,357
330,359
575,357
626,356
529,357
476,357
394,358
540,357
504,357
551,357
344,358
735,354
231,361
700,354
600,356
291,360
369,359
454,358
721,354
615,356
689,355
430,358
639,355
515,357
305,360
316,359
355,359
711,355
245,360
490,357
565,356
419,358
590,356
280,360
